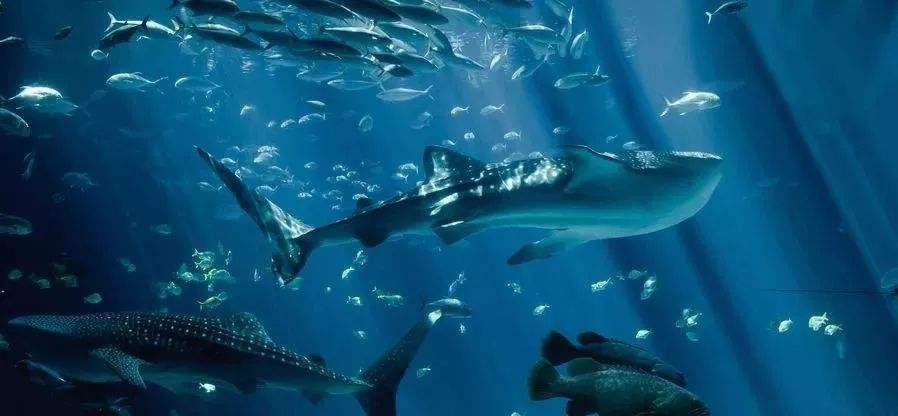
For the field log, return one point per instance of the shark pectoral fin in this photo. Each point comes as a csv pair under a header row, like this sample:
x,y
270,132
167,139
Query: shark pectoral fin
x,y
453,232
577,408
124,365
557,242
312,397
249,385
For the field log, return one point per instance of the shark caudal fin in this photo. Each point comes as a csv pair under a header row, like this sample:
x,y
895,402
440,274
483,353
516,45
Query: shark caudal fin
x,y
386,373
542,380
284,233
557,349
710,16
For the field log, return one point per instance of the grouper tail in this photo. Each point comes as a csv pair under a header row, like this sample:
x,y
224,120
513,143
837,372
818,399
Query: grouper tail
x,y
386,373
284,233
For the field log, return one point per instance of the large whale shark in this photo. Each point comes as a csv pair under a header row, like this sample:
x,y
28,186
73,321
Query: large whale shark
x,y
581,195
179,351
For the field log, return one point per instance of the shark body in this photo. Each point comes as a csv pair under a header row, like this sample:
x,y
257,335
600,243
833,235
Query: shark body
x,y
180,351
581,195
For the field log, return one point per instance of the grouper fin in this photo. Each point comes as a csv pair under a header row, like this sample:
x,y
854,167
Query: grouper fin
x,y
453,232
582,366
556,242
543,381
247,324
122,364
557,349
385,374
577,408
441,163
286,234
589,337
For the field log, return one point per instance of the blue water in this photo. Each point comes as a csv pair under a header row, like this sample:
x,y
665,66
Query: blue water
x,y
807,202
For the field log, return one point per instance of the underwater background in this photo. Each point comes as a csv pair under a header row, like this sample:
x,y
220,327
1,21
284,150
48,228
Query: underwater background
x,y
807,200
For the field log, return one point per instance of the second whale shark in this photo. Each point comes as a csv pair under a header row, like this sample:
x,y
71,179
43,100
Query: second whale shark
x,y
580,196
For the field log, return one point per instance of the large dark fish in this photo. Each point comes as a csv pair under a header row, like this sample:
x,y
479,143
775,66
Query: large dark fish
x,y
581,195
227,37
325,8
121,34
178,351
558,350
420,14
595,388
371,9
223,8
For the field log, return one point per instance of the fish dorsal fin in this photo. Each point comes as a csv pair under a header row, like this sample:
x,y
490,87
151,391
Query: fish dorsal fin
x,y
122,364
582,366
247,324
318,359
363,203
587,338
441,163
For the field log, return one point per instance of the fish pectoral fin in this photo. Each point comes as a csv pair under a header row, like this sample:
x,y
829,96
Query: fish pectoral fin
x,y
453,232
577,408
122,364
556,242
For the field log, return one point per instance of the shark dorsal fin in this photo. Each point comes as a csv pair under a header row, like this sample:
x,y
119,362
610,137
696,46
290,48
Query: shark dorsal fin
x,y
590,165
363,203
581,366
247,324
122,364
441,163
318,359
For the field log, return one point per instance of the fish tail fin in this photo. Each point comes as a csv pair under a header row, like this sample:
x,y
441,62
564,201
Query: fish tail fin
x,y
112,21
557,349
143,23
667,105
287,235
710,16
542,381
158,80
385,374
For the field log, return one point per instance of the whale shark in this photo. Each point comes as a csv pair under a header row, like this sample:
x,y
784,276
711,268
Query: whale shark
x,y
179,351
580,195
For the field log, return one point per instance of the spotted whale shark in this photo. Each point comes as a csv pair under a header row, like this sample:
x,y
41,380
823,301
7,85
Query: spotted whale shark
x,y
580,195
179,351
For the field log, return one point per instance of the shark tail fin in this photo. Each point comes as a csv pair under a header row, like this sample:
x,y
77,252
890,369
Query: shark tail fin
x,y
710,16
385,374
542,381
557,349
287,235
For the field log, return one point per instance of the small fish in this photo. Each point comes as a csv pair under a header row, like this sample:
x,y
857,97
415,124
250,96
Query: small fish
x,y
196,84
423,371
691,101
491,109
784,326
93,298
497,59
366,123
817,322
540,310
62,33
643,333
13,124
402,94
